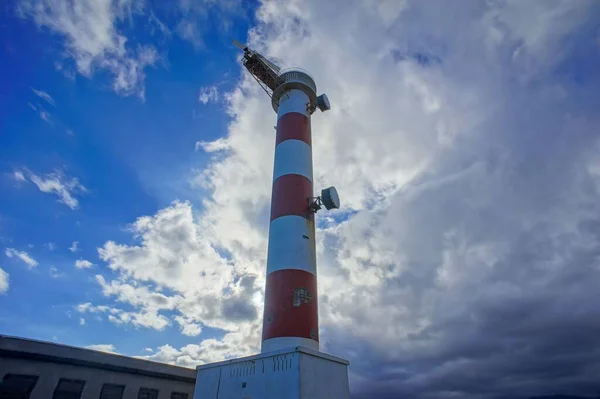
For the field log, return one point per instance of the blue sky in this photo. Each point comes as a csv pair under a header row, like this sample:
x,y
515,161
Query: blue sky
x,y
131,160
463,142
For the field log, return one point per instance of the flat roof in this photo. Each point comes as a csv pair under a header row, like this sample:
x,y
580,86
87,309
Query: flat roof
x,y
24,348
297,349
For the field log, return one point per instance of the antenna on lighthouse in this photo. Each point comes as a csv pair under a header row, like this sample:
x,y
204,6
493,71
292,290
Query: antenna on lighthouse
x,y
264,71
329,198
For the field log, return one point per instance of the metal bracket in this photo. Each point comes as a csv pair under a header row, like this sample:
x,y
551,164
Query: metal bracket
x,y
315,204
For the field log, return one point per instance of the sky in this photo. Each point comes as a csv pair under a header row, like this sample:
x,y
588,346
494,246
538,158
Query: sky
x,y
136,160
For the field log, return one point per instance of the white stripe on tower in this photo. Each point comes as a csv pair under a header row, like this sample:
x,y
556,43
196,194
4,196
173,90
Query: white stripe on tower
x,y
293,157
291,310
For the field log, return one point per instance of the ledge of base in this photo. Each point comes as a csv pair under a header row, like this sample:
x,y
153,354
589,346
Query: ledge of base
x,y
297,349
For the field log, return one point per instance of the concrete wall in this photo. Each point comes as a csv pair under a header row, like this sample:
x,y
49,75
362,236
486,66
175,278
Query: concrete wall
x,y
299,373
50,373
321,378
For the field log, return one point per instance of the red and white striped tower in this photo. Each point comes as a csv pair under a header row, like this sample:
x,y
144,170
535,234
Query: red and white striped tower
x,y
290,341
291,307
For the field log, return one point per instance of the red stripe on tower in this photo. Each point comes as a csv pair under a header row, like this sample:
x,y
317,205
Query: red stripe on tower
x,y
291,305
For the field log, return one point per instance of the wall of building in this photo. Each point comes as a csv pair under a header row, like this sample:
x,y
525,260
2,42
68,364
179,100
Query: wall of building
x,y
51,362
50,373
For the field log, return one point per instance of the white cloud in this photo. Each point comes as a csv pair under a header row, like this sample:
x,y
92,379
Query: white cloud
x,y
45,115
65,187
195,18
83,264
54,273
19,176
161,26
462,219
50,246
74,246
188,328
173,252
22,255
147,319
4,281
212,146
93,40
208,94
208,351
44,96
149,350
81,321
129,73
109,348
188,30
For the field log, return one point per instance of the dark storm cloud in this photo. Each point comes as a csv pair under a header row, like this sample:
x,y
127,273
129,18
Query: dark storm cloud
x,y
498,246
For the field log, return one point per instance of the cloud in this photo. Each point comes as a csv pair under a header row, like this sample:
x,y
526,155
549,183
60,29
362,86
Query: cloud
x,y
148,350
82,322
212,146
208,351
189,30
74,246
157,24
146,319
19,176
45,116
50,246
188,328
65,187
197,18
173,252
22,255
109,348
208,94
92,39
466,154
44,96
54,273
129,73
83,264
445,276
4,281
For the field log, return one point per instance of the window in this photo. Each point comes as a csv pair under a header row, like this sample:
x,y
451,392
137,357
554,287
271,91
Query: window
x,y
110,391
179,395
147,393
17,386
68,389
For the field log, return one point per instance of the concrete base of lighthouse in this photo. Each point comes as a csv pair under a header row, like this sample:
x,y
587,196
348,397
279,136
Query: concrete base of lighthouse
x,y
295,373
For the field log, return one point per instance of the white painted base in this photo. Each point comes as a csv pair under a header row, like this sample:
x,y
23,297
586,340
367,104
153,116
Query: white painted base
x,y
289,343
297,373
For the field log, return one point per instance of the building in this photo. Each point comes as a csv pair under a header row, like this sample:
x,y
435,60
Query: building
x,y
32,369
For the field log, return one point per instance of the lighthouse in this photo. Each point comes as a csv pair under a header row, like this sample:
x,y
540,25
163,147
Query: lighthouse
x,y
291,303
290,364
